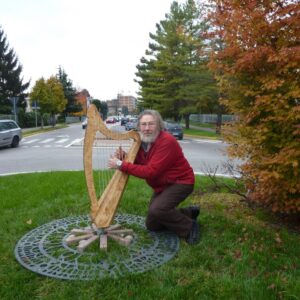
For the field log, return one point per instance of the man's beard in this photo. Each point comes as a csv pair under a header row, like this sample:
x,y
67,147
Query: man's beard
x,y
149,138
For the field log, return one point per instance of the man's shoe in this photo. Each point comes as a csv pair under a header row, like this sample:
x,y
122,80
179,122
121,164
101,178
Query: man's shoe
x,y
195,211
194,235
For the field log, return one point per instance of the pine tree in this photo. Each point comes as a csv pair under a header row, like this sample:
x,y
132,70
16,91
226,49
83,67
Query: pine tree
x,y
199,90
161,70
11,83
174,78
102,107
69,91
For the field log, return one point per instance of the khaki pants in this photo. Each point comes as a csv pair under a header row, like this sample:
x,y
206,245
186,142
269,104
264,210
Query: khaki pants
x,y
163,214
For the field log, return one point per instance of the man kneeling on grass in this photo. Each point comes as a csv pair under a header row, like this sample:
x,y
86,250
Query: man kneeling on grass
x,y
161,162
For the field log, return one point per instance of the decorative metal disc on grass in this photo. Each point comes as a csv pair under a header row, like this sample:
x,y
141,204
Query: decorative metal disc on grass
x,y
45,251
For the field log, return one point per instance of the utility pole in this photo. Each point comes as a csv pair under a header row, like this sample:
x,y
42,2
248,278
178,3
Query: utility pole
x,y
35,110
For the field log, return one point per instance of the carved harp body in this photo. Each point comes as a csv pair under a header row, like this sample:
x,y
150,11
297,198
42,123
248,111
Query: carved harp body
x,y
104,208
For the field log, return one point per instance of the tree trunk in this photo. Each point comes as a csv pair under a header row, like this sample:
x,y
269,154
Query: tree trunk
x,y
219,123
53,119
187,121
42,121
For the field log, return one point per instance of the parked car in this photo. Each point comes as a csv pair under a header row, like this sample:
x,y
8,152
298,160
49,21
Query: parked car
x,y
84,123
131,124
10,133
175,129
110,120
124,120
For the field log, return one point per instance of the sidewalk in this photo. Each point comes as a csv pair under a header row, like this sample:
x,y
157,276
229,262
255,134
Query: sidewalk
x,y
39,129
36,128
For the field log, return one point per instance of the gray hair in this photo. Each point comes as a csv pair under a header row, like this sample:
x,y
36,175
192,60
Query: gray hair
x,y
155,114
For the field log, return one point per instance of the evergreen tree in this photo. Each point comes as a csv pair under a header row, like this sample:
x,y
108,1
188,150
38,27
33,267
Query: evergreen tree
x,y
69,92
198,91
11,83
160,71
174,78
102,107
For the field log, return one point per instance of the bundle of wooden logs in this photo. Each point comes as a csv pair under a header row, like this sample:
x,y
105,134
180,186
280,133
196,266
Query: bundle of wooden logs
x,y
86,236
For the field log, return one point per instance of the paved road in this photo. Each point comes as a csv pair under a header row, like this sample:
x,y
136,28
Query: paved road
x,y
63,150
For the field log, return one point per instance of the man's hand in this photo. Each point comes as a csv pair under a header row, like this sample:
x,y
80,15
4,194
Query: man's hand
x,y
114,163
120,154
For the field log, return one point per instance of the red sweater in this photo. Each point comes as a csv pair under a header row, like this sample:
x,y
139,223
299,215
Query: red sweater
x,y
162,165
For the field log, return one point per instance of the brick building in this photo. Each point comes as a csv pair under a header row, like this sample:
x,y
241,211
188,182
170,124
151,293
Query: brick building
x,y
128,101
115,106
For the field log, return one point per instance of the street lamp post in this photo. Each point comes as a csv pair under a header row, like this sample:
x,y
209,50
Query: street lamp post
x,y
35,113
14,101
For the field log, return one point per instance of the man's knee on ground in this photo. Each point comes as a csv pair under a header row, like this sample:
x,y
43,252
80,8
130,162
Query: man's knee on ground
x,y
153,225
156,213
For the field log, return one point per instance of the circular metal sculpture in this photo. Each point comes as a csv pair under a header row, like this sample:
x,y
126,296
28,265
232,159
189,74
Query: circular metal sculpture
x,y
44,250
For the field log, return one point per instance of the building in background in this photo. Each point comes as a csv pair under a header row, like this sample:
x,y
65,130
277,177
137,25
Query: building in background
x,y
117,106
112,106
127,101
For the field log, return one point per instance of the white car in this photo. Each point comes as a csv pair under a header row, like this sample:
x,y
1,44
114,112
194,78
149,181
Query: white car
x,y
84,123
10,133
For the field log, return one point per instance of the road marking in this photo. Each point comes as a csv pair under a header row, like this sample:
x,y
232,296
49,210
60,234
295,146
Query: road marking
x,y
61,141
207,141
184,142
76,141
218,174
74,170
30,142
47,141
56,144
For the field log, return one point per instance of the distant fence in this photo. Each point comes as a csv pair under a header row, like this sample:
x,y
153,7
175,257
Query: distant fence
x,y
72,119
211,118
5,117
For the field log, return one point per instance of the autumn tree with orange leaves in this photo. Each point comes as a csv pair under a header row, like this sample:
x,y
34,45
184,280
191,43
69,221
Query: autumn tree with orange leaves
x,y
259,73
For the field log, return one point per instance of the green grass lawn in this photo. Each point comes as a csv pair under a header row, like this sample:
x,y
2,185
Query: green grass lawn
x,y
34,130
201,133
207,125
240,256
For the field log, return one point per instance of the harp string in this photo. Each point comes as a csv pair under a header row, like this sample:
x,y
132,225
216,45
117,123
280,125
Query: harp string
x,y
105,148
100,142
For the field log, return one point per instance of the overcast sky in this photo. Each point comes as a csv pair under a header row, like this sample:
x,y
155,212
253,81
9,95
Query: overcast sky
x,y
97,42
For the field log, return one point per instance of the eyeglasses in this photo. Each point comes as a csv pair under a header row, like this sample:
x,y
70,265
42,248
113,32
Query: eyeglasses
x,y
149,124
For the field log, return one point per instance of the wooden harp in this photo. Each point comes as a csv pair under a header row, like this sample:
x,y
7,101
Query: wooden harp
x,y
104,208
